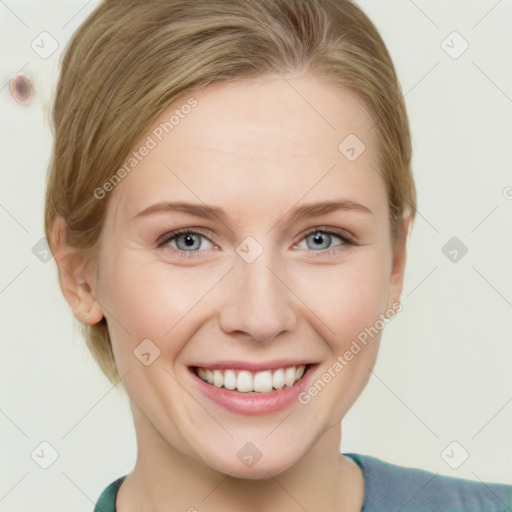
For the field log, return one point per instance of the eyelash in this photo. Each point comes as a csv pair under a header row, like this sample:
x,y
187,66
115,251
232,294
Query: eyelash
x,y
346,241
168,237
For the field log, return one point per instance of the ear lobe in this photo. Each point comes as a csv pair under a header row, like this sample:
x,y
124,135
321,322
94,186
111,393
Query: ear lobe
x,y
75,276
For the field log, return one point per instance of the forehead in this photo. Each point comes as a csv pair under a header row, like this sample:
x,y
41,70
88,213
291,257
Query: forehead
x,y
246,144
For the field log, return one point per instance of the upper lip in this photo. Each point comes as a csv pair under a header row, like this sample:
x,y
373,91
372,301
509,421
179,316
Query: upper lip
x,y
253,365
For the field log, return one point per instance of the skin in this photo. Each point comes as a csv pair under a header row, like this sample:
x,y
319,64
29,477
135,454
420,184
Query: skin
x,y
258,150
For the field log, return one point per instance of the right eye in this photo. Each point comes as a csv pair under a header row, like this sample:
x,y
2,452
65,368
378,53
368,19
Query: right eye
x,y
185,241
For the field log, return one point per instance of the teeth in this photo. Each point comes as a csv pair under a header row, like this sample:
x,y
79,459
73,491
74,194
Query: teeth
x,y
245,381
230,379
278,379
263,382
218,378
289,376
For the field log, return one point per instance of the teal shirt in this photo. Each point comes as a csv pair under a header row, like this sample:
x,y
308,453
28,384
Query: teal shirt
x,y
391,488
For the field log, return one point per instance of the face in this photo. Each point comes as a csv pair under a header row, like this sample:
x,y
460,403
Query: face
x,y
246,249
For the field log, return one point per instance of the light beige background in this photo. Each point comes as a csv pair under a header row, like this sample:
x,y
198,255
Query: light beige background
x,y
444,372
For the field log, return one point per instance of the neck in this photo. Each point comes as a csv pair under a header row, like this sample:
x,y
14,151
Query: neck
x,y
167,479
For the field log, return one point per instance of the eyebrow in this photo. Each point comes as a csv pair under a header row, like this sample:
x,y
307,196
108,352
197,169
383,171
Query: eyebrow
x,y
296,214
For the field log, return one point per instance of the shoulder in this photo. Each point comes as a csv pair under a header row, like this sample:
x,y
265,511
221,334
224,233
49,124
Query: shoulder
x,y
389,487
107,501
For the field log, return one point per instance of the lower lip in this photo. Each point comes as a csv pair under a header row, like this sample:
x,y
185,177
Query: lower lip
x,y
253,404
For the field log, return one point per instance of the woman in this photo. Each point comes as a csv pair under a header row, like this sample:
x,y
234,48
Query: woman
x,y
228,204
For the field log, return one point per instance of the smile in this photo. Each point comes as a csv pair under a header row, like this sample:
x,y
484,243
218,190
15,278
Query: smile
x,y
243,389
247,381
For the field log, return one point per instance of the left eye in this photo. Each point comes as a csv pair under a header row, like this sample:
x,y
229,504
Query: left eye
x,y
321,240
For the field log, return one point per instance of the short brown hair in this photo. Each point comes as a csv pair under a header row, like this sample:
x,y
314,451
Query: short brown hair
x,y
131,59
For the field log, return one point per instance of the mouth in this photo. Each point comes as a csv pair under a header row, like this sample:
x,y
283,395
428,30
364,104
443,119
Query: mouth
x,y
251,381
246,390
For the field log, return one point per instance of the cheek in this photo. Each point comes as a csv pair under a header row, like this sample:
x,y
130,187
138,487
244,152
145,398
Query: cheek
x,y
350,300
348,297
144,299
349,304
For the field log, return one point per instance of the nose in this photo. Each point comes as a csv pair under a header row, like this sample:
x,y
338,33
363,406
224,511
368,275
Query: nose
x,y
258,303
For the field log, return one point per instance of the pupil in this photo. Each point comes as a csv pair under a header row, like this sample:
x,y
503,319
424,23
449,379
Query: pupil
x,y
189,241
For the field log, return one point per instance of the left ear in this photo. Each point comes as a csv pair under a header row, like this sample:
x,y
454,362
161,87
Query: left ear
x,y
398,267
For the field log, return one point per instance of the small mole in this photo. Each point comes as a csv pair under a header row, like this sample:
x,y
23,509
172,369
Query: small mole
x,y
21,89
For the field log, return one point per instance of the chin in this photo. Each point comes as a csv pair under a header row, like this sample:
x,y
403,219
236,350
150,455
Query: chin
x,y
264,459
263,469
